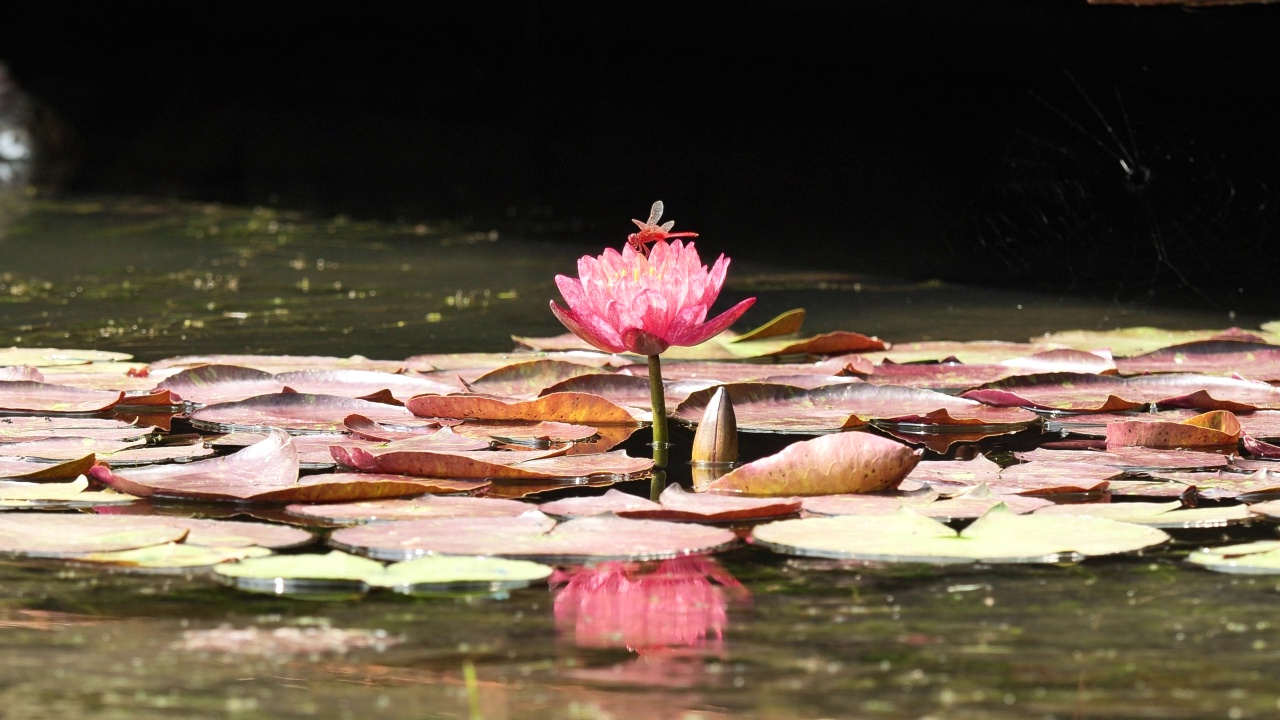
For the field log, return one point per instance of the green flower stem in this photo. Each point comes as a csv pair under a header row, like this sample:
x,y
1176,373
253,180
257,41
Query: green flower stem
x,y
658,400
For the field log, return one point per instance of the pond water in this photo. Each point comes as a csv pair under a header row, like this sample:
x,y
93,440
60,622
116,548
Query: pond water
x,y
771,637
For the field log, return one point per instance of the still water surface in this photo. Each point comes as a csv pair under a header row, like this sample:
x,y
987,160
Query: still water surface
x,y
768,636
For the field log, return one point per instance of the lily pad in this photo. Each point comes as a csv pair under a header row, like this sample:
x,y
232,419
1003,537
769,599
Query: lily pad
x,y
436,573
57,535
1169,515
527,379
577,408
781,408
28,471
1000,536
173,556
367,384
478,464
211,384
1217,428
422,507
832,464
295,412
266,471
533,535
46,357
613,501
279,574
38,397
1255,558
525,433
1257,361
281,363
677,505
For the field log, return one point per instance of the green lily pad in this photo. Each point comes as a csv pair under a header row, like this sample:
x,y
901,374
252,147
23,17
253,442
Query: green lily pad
x,y
1000,536
280,574
173,556
435,573
1161,515
1255,558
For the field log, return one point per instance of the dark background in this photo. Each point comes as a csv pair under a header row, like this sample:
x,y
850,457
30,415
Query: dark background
x,y
976,140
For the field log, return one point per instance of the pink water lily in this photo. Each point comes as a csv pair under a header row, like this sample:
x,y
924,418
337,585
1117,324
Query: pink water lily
x,y
628,302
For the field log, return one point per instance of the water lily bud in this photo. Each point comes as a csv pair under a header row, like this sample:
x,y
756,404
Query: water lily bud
x,y
717,438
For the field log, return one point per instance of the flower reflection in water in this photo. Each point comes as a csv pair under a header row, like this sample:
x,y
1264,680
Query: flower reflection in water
x,y
646,607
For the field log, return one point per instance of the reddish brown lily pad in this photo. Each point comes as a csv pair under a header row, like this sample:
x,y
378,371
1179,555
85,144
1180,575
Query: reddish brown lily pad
x,y
59,535
1054,478
209,384
568,407
1059,391
529,378
554,432
780,408
832,464
366,384
281,363
1217,428
37,471
365,427
1257,361
1141,459
264,472
613,501
533,536
680,506
1204,392
38,397
412,509
507,464
295,412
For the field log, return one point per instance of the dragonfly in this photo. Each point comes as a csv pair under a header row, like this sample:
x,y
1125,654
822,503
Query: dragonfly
x,y
651,232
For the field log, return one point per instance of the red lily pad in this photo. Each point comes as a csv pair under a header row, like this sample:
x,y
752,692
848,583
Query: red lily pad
x,y
1258,361
623,390
230,533
938,376
881,503
20,373
680,506
294,412
533,535
780,408
529,378
553,432
53,357
1218,428
28,471
568,407
1095,424
61,535
366,384
281,363
507,464
367,428
1054,478
1058,391
1142,459
951,476
38,397
1205,392
264,472
832,464
983,352
613,501
412,509
209,384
